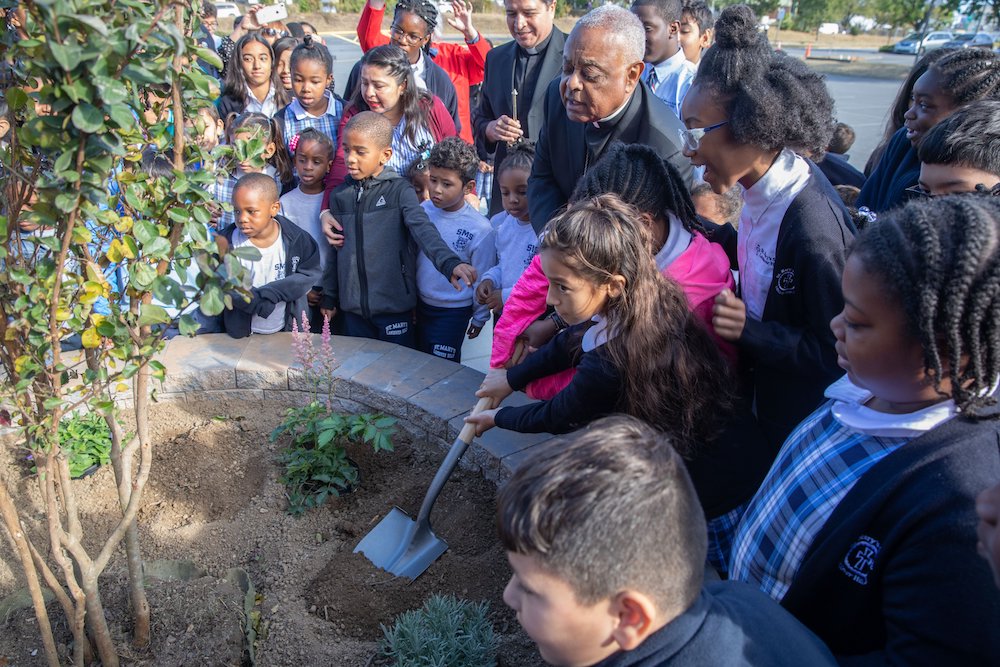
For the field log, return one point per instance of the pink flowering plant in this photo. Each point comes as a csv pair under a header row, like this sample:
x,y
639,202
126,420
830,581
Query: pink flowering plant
x,y
316,462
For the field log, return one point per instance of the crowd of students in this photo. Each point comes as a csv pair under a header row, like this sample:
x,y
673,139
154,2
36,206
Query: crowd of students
x,y
805,355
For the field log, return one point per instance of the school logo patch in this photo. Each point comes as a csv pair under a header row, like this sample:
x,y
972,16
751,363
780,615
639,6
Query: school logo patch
x,y
380,202
397,329
785,284
463,237
859,562
444,351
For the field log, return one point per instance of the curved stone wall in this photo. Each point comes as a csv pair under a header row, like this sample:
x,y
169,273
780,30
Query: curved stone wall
x,y
428,394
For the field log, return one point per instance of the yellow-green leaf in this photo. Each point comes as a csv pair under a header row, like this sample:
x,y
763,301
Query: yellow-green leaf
x,y
91,338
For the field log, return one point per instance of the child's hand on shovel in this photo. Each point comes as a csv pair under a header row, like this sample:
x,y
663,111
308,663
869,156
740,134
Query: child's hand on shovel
x,y
495,386
484,420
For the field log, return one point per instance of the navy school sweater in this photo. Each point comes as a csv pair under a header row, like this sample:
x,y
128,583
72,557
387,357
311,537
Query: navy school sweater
x,y
898,169
893,577
731,624
726,472
788,356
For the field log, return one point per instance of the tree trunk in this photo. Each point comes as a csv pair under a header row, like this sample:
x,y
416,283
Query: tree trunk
x,y
99,631
20,544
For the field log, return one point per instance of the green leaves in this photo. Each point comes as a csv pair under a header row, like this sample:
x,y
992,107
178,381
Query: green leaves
x,y
316,463
87,118
150,314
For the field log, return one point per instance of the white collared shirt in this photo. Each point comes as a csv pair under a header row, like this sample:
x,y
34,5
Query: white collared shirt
x,y
764,208
678,240
849,409
267,107
597,335
300,112
674,78
419,68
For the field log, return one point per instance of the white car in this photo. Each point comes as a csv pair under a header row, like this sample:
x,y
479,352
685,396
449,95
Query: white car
x,y
829,29
227,10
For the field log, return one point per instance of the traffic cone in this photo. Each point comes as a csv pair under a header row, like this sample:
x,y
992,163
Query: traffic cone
x,y
809,50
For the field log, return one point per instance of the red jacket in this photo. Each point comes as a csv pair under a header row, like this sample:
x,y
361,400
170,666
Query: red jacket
x,y
439,121
464,63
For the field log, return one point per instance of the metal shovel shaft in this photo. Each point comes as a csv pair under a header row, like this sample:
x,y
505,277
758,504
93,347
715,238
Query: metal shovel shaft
x,y
406,547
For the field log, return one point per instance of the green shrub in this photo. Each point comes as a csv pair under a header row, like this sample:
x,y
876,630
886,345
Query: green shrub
x,y
86,439
445,632
316,463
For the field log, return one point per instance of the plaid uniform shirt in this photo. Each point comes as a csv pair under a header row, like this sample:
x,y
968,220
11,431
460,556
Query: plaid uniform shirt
x,y
297,119
721,531
818,465
222,192
404,152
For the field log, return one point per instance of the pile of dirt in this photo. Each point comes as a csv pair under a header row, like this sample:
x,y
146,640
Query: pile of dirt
x,y
214,499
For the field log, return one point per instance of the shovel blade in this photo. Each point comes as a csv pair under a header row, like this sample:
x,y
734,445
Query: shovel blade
x,y
398,545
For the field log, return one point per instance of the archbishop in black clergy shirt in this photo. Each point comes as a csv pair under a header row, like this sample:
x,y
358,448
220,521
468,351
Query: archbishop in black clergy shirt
x,y
599,99
526,64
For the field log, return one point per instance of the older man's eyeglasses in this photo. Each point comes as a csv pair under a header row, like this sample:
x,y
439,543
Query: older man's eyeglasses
x,y
406,37
691,139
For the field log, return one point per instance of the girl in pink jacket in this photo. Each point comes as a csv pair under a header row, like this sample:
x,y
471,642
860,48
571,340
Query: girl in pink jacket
x,y
641,178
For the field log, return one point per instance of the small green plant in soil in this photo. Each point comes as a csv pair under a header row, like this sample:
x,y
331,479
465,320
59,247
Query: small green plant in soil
x,y
316,462
445,632
86,439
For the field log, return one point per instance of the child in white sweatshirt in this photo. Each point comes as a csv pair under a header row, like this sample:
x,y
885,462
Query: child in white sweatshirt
x,y
442,313
516,241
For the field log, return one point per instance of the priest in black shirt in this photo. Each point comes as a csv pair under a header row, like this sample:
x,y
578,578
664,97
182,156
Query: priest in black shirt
x,y
599,99
526,64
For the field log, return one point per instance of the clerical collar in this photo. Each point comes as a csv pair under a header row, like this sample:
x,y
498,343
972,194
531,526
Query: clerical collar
x,y
616,114
535,50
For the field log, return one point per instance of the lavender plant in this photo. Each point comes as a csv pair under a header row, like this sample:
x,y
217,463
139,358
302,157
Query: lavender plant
x,y
444,632
316,462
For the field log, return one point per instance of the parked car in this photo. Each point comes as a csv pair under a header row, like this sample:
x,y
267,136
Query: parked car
x,y
970,40
829,29
227,9
921,43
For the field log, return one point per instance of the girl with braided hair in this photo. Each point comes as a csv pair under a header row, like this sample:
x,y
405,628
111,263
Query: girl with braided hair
x,y
516,241
311,71
750,112
864,528
950,83
463,63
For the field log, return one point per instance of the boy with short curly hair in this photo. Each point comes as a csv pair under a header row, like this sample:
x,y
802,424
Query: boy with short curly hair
x,y
443,314
607,542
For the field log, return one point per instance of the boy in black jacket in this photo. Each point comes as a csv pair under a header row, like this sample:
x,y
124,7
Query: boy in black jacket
x,y
288,266
607,543
371,277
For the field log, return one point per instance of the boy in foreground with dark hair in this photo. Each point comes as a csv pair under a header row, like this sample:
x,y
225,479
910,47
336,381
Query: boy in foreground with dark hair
x,y
607,542
961,154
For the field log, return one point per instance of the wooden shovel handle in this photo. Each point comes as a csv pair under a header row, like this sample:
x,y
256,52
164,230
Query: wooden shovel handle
x,y
468,431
